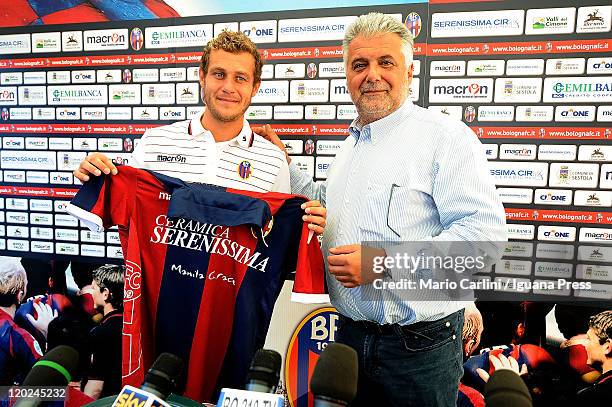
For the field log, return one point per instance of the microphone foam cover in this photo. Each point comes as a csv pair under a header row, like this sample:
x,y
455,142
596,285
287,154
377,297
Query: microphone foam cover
x,y
335,375
164,373
506,389
44,375
265,367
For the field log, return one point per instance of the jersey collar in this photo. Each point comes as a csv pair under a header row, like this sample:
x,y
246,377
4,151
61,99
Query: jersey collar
x,y
243,139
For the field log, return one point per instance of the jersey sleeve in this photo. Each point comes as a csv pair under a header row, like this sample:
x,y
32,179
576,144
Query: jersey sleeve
x,y
309,283
106,200
25,349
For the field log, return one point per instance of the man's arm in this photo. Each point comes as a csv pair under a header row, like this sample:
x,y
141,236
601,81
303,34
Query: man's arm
x,y
301,183
93,388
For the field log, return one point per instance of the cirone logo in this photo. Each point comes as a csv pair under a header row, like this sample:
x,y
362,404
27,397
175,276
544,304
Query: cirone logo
x,y
309,339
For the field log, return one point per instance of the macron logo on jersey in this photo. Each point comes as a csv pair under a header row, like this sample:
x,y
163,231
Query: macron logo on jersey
x,y
178,158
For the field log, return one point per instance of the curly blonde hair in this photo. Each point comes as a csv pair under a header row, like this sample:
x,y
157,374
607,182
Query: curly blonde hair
x,y
233,42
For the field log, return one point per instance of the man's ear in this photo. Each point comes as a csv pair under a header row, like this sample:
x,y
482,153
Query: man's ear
x,y
202,76
20,296
607,350
467,347
255,88
105,294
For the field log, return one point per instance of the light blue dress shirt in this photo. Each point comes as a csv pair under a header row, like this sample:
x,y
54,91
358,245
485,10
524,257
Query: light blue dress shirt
x,y
414,175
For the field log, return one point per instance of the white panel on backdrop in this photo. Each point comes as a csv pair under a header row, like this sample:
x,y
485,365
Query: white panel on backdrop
x,y
475,23
109,75
313,29
575,113
331,70
46,42
11,78
289,71
573,175
454,112
194,35
15,44
565,66
525,67
593,198
520,232
72,41
594,19
111,39
518,90
259,113
550,21
557,152
272,92
578,89
320,112
515,195
519,173
317,90
260,31
447,68
486,67
461,90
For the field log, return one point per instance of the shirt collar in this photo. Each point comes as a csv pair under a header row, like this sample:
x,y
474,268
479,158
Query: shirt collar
x,y
111,315
243,139
379,128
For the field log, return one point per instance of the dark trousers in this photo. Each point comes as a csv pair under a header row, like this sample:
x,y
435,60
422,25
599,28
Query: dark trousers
x,y
416,365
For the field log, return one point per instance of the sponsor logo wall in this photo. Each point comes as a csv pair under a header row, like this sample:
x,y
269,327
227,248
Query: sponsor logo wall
x,y
537,92
536,89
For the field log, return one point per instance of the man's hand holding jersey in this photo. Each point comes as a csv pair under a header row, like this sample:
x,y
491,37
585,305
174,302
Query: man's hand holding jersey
x,y
97,163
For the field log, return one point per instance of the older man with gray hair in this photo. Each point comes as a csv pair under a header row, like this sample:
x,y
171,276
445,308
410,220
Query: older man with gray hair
x,y
18,348
404,174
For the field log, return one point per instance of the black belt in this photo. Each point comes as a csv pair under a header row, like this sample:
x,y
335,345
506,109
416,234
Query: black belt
x,y
393,329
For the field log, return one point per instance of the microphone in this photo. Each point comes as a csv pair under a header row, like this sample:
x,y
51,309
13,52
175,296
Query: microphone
x,y
160,380
264,372
55,368
505,388
334,380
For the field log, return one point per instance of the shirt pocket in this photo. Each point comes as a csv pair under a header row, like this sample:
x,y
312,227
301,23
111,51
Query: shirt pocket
x,y
409,209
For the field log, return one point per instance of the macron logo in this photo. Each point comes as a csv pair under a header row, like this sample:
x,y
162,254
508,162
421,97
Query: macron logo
x,y
172,158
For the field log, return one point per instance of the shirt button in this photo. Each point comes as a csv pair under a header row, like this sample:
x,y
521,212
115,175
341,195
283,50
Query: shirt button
x,y
447,324
454,336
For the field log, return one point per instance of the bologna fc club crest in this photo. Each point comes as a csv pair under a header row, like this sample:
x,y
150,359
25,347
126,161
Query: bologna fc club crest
x,y
309,146
307,342
136,39
311,70
413,24
126,75
470,114
245,170
5,113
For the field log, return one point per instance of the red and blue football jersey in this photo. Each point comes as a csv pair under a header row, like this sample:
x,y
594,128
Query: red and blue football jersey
x,y
57,302
204,266
528,354
18,351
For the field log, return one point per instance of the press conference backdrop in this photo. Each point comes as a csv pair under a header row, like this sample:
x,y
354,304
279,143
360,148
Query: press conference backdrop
x,y
533,79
